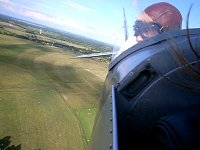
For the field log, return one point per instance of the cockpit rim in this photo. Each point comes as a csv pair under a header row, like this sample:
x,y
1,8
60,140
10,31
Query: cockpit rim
x,y
152,41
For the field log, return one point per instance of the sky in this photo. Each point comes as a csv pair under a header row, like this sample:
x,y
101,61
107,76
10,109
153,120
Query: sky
x,y
97,19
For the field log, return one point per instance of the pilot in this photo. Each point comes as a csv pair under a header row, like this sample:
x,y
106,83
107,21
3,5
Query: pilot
x,y
155,19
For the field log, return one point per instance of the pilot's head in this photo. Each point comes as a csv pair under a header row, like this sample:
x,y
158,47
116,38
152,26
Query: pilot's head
x,y
155,19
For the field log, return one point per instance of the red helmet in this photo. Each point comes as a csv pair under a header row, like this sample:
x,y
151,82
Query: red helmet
x,y
165,14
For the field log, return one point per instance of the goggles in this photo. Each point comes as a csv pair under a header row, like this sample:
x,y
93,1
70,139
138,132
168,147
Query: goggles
x,y
142,27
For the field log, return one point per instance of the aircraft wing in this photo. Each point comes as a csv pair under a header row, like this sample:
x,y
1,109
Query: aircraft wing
x,y
95,55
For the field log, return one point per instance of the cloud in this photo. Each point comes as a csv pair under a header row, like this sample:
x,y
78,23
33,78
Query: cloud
x,y
78,7
134,4
138,4
64,22
67,23
9,6
6,1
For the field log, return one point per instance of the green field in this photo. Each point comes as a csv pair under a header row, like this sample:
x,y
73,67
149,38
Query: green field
x,y
86,117
47,100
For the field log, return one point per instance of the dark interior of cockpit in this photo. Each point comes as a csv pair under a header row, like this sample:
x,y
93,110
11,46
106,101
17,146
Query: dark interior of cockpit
x,y
159,108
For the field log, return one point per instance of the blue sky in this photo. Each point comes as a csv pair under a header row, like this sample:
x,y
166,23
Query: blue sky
x,y
98,19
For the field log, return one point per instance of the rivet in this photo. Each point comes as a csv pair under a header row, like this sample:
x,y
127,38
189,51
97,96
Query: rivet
x,y
110,146
110,131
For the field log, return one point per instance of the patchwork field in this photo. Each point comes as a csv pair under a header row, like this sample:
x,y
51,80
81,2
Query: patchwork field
x,y
47,100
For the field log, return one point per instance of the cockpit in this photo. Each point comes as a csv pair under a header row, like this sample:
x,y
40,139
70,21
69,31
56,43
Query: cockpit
x,y
155,86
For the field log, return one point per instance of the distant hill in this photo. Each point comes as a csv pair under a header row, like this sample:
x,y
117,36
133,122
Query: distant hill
x,y
50,36
64,33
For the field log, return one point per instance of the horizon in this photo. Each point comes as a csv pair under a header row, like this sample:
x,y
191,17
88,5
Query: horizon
x,y
56,29
101,20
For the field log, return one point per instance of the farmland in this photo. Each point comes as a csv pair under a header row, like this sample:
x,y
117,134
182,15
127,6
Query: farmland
x,y
47,100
